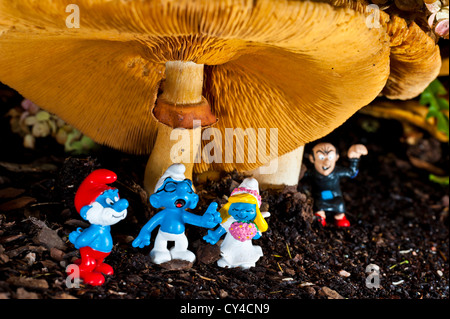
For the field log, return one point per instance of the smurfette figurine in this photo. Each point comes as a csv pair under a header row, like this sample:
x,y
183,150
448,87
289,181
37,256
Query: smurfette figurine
x,y
242,221
175,194
100,205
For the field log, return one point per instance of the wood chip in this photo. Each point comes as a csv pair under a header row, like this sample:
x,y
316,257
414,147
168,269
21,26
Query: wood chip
x,y
64,296
344,273
223,293
208,254
21,293
57,254
28,282
10,238
29,168
4,295
17,251
426,166
206,278
11,192
17,203
49,238
77,223
177,264
3,258
330,293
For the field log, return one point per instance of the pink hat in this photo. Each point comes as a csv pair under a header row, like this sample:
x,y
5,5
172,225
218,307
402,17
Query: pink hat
x,y
249,186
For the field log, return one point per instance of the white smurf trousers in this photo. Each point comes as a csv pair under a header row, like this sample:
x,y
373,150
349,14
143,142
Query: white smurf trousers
x,y
160,254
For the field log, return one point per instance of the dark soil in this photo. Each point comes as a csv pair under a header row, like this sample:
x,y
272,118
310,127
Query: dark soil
x,y
399,223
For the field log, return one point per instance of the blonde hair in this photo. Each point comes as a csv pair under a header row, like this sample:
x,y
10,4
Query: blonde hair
x,y
244,198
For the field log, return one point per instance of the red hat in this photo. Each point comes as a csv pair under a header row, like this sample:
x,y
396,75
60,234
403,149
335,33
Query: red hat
x,y
93,186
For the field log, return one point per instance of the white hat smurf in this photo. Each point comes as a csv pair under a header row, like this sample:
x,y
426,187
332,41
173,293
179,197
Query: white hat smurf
x,y
174,171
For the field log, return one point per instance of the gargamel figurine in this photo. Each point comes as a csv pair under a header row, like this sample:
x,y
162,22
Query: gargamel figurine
x,y
242,221
325,180
175,194
100,205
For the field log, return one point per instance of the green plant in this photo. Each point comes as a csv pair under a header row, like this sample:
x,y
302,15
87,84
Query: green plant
x,y
443,180
432,96
30,122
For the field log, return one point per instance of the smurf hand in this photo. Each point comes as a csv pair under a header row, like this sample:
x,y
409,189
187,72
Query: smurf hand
x,y
211,217
212,237
141,241
73,236
356,150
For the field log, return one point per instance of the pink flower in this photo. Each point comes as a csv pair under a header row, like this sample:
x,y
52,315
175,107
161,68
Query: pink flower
x,y
442,29
243,231
439,18
29,106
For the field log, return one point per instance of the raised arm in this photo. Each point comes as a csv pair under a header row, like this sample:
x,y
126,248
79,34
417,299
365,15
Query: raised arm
x,y
209,219
354,154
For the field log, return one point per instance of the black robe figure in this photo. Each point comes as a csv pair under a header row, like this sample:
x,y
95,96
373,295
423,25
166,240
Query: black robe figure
x,y
325,180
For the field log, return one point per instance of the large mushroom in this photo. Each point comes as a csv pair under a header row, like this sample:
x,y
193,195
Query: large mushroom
x,y
301,67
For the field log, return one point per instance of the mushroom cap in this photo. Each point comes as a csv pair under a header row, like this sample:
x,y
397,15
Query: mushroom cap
x,y
415,58
299,66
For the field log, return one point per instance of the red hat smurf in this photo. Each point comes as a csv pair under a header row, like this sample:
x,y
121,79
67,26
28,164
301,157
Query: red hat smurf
x,y
93,186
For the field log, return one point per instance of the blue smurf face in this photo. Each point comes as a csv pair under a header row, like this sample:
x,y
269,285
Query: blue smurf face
x,y
242,211
175,194
107,209
110,199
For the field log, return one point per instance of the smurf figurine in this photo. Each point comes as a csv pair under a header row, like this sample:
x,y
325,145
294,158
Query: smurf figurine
x,y
175,194
242,221
100,205
326,180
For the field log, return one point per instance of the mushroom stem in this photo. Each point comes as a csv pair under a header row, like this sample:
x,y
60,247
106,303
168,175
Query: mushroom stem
x,y
178,139
166,151
184,82
287,170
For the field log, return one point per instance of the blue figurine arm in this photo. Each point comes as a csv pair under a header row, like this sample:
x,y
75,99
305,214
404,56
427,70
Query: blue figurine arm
x,y
143,239
258,235
209,219
213,236
74,235
82,238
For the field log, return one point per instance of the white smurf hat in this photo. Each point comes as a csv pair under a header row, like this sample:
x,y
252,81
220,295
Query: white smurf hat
x,y
249,186
174,171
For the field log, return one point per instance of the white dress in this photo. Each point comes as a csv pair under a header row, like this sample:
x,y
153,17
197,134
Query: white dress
x,y
236,253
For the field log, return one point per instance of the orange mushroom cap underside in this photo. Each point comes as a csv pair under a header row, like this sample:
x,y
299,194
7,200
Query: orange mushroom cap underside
x,y
298,66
